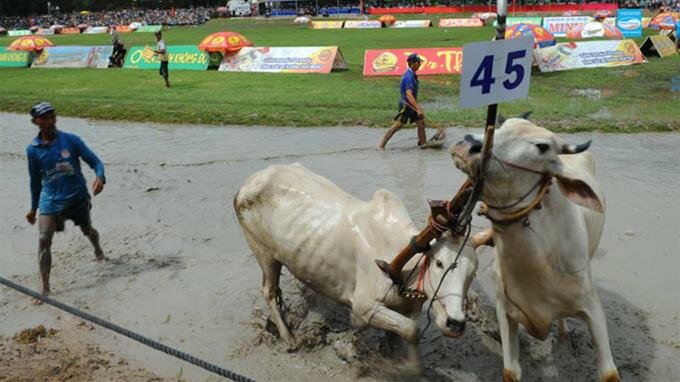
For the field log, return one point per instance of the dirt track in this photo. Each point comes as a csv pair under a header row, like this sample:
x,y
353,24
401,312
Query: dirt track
x,y
180,271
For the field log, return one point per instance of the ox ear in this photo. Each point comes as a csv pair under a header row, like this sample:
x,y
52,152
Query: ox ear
x,y
579,192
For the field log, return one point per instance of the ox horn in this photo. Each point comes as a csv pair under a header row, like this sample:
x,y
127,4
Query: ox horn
x,y
500,120
525,115
575,149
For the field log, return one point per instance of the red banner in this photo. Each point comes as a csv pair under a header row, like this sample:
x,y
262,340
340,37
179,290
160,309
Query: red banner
x,y
70,30
123,29
492,8
455,23
392,62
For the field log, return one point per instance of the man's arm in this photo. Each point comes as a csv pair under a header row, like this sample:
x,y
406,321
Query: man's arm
x,y
35,184
93,161
161,50
412,102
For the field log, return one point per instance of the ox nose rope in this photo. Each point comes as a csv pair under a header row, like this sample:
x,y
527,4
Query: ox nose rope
x,y
451,267
130,334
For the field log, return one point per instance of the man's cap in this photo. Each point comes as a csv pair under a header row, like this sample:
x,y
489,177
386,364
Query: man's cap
x,y
413,57
157,32
42,108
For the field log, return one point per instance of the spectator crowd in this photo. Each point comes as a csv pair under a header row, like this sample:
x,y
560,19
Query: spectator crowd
x,y
171,17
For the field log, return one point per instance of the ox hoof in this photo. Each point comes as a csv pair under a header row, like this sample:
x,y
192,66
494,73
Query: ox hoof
x,y
611,376
293,345
509,376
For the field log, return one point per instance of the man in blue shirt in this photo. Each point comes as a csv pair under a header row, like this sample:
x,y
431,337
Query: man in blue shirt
x,y
58,187
409,109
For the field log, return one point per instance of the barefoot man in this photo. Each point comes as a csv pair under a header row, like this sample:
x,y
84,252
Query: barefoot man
x,y
58,187
409,109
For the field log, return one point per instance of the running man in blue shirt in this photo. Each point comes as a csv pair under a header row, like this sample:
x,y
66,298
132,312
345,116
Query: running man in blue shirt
x,y
409,109
58,187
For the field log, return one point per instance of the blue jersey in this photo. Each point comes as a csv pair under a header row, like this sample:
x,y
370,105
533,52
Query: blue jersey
x,y
408,82
56,179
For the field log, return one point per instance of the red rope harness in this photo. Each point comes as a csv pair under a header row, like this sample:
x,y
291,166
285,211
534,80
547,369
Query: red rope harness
x,y
421,275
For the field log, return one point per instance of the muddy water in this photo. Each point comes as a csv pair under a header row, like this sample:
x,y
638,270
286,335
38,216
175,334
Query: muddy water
x,y
181,271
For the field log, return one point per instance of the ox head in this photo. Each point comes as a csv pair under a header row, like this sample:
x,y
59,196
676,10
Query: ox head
x,y
449,303
521,153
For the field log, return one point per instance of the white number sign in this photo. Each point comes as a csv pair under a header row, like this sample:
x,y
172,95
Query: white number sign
x,y
495,71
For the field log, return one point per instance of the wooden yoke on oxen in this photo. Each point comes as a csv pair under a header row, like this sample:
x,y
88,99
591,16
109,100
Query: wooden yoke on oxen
x,y
444,215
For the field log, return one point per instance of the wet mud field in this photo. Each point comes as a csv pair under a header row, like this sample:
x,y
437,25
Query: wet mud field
x,y
180,271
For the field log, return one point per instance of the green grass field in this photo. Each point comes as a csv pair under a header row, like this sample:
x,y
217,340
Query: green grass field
x,y
632,98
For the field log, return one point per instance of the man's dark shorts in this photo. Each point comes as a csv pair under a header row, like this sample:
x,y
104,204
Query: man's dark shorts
x,y
79,212
407,115
163,71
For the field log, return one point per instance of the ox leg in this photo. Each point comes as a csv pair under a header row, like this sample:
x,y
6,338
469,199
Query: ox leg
x,y
380,316
562,330
597,322
512,371
271,271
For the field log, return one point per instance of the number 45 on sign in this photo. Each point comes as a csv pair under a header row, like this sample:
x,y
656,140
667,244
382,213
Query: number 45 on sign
x,y
495,71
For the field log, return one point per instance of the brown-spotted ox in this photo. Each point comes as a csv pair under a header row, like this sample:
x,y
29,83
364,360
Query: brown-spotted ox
x,y
330,240
547,215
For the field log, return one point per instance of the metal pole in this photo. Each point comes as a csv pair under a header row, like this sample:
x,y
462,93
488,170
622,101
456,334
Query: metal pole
x,y
502,12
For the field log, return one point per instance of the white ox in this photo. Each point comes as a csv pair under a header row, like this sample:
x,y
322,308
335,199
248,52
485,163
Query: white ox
x,y
330,240
542,260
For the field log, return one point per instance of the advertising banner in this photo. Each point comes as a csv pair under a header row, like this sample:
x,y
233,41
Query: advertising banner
x,y
44,31
149,28
96,30
74,57
646,21
411,24
460,23
392,62
326,24
362,24
559,26
13,58
19,32
658,45
524,20
302,59
180,57
70,30
629,22
589,54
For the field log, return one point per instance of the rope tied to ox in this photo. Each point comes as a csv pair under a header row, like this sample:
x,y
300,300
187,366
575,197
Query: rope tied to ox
x,y
130,334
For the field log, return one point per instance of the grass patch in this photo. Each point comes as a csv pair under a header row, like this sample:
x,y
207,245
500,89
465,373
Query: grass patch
x,y
629,99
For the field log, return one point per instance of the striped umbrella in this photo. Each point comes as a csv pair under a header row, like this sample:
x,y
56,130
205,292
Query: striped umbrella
x,y
301,20
604,13
665,20
594,29
542,37
30,43
387,19
224,42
